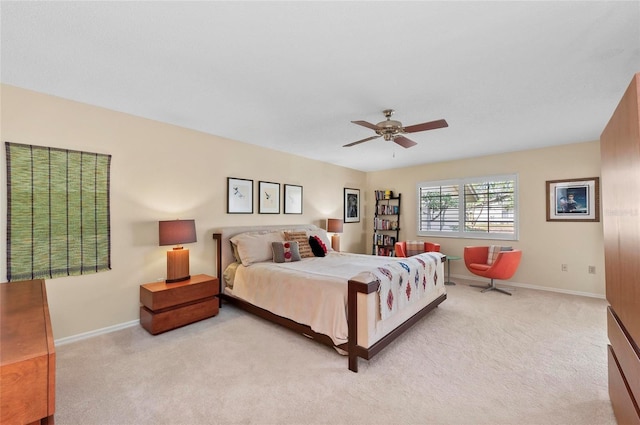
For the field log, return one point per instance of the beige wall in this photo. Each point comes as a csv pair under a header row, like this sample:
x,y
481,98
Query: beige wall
x,y
545,245
158,172
161,172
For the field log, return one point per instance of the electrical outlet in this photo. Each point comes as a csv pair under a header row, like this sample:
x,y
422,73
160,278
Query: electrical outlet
x,y
592,269
565,268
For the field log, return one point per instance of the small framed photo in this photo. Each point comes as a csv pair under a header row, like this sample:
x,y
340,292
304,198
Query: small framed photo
x,y
269,198
239,196
351,205
292,199
573,199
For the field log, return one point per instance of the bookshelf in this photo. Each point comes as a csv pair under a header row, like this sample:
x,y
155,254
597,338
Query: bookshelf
x,y
386,222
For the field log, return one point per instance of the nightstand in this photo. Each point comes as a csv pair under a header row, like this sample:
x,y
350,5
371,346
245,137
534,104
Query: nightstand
x,y
167,306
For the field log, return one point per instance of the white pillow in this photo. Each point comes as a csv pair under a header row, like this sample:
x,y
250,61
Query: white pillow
x,y
254,247
322,234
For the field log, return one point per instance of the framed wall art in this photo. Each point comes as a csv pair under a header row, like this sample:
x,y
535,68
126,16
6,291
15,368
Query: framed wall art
x,y
292,199
351,205
239,196
573,199
269,198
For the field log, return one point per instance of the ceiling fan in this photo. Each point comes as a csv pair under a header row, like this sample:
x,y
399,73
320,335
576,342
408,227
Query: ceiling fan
x,y
393,130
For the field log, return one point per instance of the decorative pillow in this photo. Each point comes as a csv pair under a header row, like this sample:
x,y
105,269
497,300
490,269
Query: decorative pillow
x,y
322,234
318,247
494,250
229,274
414,248
506,248
285,252
234,249
303,242
254,247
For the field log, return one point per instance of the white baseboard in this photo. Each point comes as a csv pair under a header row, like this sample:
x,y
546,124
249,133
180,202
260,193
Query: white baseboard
x,y
91,334
529,286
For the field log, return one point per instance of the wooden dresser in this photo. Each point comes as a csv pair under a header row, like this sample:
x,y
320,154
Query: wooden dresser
x,y
620,162
27,355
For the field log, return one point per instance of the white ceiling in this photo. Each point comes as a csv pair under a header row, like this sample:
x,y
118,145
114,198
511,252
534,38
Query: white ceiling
x,y
291,76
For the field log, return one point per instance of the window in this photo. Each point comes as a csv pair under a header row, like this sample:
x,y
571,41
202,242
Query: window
x,y
58,212
480,207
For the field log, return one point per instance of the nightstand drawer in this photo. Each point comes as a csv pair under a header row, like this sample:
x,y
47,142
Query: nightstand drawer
x,y
157,322
160,295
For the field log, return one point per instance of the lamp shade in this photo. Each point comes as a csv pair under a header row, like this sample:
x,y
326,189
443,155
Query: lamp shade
x,y
176,232
334,225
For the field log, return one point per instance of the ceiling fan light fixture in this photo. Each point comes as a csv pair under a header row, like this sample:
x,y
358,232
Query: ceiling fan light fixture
x,y
390,124
389,132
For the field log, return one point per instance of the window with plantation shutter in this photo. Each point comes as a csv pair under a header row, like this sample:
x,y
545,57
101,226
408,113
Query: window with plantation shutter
x,y
439,206
480,207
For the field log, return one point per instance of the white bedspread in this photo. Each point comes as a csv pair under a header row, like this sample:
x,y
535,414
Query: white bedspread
x,y
312,291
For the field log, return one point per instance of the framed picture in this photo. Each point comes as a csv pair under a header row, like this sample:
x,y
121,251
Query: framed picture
x,y
239,196
573,199
269,197
292,199
351,205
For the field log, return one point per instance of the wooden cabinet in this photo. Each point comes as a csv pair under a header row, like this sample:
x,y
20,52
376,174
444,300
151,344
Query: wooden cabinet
x,y
166,306
27,354
386,223
620,178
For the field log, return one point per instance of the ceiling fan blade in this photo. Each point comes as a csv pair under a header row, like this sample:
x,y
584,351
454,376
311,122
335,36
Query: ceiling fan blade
x,y
404,142
366,124
360,141
432,125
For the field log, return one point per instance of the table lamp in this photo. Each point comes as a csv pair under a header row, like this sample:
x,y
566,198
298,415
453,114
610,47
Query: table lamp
x,y
334,225
177,232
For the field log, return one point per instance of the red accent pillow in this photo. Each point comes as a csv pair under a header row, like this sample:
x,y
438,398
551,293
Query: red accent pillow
x,y
318,247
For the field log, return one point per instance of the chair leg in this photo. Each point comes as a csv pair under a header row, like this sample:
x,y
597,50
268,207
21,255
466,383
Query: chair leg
x,y
491,287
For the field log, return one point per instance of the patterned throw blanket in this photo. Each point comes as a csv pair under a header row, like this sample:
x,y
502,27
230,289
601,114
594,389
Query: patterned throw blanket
x,y
404,282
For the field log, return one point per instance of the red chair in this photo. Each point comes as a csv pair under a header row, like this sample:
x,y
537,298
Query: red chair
x,y
503,266
415,247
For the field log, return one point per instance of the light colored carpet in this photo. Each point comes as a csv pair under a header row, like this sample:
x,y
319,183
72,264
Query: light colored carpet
x,y
532,358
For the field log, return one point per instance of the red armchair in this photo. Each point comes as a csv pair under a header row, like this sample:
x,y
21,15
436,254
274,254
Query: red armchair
x,y
503,267
403,251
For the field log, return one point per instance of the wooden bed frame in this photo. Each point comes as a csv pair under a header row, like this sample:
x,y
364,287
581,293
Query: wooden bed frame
x,y
354,288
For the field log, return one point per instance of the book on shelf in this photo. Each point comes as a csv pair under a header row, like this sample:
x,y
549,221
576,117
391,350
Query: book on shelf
x,y
384,240
386,252
384,209
384,224
383,194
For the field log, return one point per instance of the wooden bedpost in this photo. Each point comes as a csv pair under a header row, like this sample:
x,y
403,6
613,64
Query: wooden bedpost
x,y
354,288
352,323
217,237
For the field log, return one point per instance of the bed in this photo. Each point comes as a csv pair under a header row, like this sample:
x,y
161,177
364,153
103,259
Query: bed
x,y
356,303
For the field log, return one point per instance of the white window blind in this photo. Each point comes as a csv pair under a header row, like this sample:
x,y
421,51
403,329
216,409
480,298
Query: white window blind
x,y
479,207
